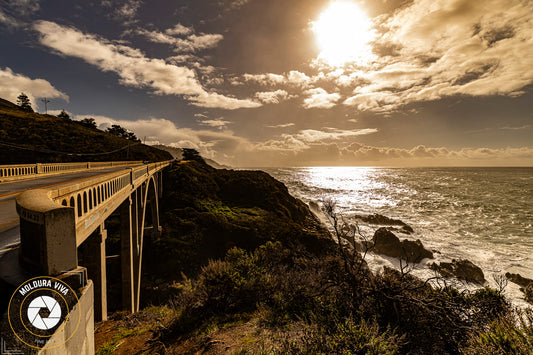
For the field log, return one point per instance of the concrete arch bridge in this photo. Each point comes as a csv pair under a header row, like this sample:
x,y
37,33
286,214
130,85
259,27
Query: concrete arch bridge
x,y
59,226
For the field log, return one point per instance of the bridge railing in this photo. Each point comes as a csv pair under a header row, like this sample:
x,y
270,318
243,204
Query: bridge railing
x,y
55,221
25,171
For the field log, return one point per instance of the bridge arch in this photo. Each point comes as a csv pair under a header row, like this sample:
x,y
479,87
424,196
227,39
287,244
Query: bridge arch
x,y
56,221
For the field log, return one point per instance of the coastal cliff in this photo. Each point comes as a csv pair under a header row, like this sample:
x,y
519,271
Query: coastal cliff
x,y
244,267
207,211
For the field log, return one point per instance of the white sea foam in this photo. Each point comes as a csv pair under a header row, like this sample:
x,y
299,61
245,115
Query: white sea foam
x,y
480,214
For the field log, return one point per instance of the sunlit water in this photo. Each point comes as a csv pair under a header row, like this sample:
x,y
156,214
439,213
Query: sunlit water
x,y
484,215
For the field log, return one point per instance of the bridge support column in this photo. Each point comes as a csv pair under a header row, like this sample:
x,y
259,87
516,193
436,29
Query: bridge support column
x,y
153,195
95,261
160,184
130,236
137,239
126,255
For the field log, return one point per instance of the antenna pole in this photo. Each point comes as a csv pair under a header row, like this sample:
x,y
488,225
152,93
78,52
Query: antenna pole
x,y
45,105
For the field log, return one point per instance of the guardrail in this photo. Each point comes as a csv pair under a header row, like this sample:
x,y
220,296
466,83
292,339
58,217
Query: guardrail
x,y
55,221
26,171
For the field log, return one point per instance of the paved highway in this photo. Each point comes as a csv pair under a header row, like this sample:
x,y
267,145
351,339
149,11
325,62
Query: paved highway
x,y
9,220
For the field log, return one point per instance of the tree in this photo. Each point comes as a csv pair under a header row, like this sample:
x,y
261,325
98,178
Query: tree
x,y
63,114
88,122
192,154
24,102
132,137
118,131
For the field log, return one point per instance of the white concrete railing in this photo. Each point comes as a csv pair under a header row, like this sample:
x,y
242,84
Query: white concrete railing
x,y
89,198
25,171
60,219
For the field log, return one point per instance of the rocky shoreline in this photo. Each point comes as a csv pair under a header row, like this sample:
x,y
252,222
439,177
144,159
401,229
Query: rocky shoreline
x,y
244,267
385,242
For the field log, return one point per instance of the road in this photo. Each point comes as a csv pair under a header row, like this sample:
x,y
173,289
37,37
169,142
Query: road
x,y
9,220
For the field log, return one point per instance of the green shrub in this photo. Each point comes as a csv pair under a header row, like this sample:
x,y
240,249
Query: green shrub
x,y
348,337
507,335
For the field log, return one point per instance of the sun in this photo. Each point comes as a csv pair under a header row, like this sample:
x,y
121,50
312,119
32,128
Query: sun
x,y
343,33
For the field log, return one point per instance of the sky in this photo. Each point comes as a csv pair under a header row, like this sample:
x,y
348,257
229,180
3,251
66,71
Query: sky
x,y
286,82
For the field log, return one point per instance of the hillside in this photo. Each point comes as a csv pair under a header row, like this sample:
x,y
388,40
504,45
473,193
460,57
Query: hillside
x,y
33,138
177,153
242,267
212,210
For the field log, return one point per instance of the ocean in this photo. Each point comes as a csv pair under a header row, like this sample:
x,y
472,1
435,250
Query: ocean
x,y
484,215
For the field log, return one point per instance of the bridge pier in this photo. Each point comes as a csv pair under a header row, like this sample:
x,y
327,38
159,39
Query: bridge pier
x,y
47,234
94,259
127,230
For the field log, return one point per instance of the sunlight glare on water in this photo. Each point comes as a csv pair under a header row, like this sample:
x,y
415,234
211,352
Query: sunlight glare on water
x,y
355,189
481,214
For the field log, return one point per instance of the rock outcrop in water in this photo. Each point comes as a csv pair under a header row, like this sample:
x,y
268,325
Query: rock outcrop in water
x,y
461,269
518,279
386,243
384,220
527,285
528,293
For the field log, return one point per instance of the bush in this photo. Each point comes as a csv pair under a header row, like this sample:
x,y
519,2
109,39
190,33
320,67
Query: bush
x,y
234,284
347,337
329,301
506,335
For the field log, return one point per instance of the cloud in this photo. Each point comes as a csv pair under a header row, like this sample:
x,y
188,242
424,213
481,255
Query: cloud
x,y
516,128
179,29
228,5
289,151
25,7
123,10
12,84
273,97
203,41
303,140
217,123
284,125
9,21
313,135
133,67
221,145
422,155
57,112
181,58
13,13
431,49
192,43
298,78
214,100
156,130
265,79
238,3
375,101
319,98
310,147
294,77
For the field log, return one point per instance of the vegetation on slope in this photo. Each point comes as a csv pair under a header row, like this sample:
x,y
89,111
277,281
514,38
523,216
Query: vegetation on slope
x,y
263,277
27,137
207,211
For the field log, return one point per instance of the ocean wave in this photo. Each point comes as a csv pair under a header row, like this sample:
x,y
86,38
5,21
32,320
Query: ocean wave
x,y
479,214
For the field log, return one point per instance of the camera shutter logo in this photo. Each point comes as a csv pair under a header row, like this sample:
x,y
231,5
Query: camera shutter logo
x,y
41,307
44,303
